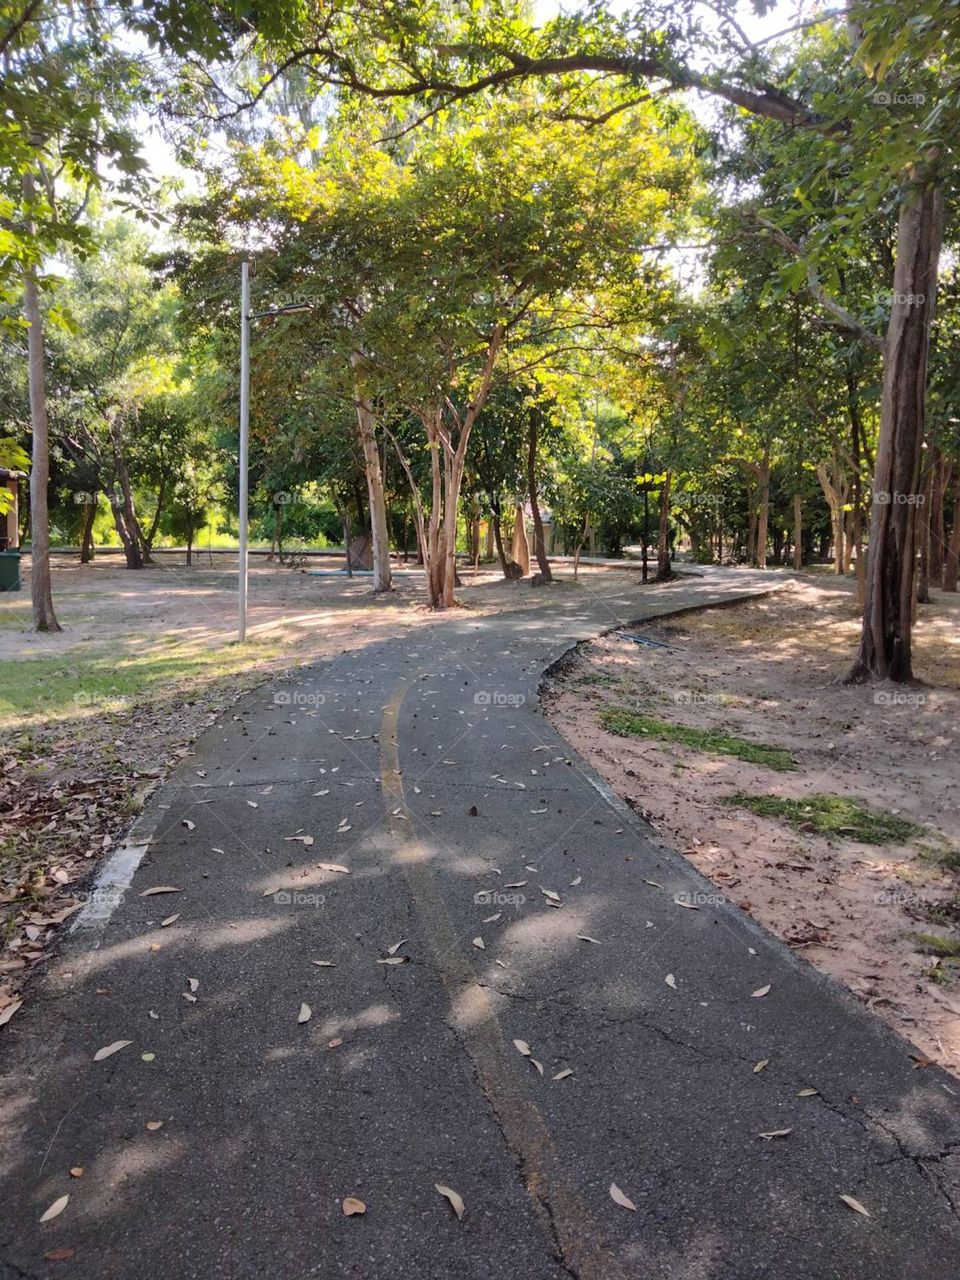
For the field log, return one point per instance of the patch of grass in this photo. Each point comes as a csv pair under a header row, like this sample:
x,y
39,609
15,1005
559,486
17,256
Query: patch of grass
x,y
828,815
947,912
936,973
630,724
77,686
934,945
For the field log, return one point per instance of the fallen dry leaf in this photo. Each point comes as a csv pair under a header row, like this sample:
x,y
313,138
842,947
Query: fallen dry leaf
x,y
324,964
761,991
562,1075
760,1065
55,1209
306,840
76,1171
586,938
305,1014
160,888
153,1125
671,981
351,1207
109,1049
62,1254
394,960
169,920
809,1092
7,1013
855,1205
334,866
479,944
775,1133
392,951
521,1046
459,1208
617,1196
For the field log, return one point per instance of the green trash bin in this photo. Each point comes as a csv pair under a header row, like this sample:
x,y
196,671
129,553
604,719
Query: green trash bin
x,y
9,570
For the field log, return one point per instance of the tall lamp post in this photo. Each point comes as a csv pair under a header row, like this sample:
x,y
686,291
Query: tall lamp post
x,y
243,523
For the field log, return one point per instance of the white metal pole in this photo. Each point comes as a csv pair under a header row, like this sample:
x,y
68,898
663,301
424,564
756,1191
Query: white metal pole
x,y
244,441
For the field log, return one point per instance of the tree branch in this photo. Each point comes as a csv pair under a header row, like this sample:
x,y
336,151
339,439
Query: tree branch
x,y
826,300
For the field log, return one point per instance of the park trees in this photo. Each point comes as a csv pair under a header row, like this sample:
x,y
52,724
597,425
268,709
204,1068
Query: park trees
x,y
375,238
895,59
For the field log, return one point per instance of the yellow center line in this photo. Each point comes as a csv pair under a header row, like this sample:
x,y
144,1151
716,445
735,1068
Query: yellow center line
x,y
577,1237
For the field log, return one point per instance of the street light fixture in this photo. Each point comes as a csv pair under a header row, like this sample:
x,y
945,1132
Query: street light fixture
x,y
246,316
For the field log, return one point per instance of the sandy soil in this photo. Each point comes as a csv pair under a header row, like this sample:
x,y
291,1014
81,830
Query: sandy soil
x,y
767,671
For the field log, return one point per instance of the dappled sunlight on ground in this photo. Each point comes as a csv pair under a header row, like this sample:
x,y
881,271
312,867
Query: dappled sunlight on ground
x,y
767,672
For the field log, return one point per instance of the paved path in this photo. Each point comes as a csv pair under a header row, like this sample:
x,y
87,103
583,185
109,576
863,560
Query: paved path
x,y
424,766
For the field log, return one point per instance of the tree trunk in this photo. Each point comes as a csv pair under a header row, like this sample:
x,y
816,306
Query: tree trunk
x,y
131,536
498,539
520,550
86,538
887,615
539,546
147,539
664,570
346,541
951,561
128,537
835,491
797,532
923,539
763,511
938,493
366,424
44,617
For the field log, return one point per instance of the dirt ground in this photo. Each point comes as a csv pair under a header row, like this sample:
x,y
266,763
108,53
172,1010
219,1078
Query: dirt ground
x,y
768,671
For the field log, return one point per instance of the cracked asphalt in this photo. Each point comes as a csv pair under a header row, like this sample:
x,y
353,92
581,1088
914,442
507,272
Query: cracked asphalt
x,y
424,767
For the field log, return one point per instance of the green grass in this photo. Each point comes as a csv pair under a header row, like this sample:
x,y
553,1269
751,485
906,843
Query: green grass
x,y
630,724
75,685
937,946
828,815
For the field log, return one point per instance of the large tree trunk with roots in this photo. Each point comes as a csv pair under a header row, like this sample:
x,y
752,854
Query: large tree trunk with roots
x,y
44,616
366,424
539,546
887,616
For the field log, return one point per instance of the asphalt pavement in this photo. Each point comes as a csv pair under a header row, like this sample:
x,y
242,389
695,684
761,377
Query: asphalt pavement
x,y
416,943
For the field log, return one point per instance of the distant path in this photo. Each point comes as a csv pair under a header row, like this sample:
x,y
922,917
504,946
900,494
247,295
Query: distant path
x,y
424,766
